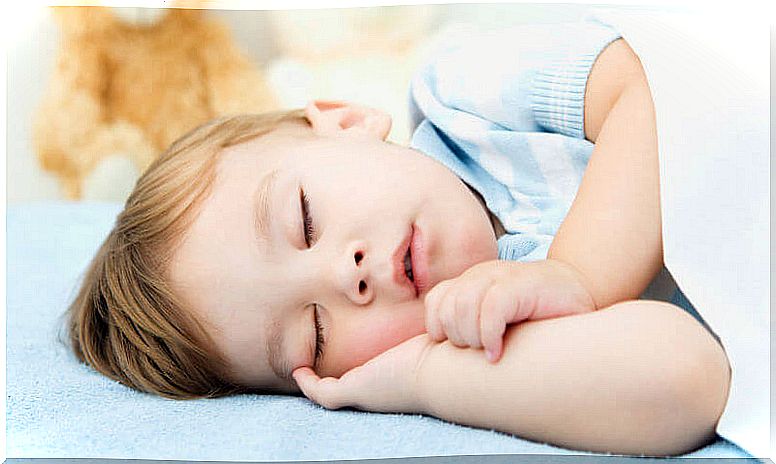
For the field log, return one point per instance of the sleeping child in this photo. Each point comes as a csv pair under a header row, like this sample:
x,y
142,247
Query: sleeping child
x,y
488,274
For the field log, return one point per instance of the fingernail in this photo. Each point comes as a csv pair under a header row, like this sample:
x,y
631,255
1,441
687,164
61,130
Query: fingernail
x,y
490,356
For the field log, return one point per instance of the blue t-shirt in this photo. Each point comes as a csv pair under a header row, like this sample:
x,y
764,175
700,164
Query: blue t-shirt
x,y
504,112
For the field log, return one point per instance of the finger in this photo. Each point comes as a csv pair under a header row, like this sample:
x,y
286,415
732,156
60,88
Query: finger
x,y
447,316
455,315
431,302
468,301
324,391
496,306
306,380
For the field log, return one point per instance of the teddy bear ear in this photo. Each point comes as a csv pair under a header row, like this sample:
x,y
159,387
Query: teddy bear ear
x,y
342,118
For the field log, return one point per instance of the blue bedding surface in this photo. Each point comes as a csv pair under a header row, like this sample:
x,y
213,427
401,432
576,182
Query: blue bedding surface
x,y
59,408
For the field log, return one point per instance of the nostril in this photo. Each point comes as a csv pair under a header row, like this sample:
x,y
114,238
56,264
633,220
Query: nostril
x,y
361,287
358,257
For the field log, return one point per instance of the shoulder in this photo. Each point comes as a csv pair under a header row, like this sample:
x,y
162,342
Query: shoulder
x,y
616,67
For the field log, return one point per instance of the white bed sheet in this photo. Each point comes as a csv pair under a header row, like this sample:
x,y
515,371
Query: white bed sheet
x,y
709,77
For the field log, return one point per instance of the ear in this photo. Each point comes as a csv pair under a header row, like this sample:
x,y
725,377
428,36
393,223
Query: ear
x,y
337,118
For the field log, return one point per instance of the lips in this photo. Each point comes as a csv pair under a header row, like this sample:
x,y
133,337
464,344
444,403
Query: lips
x,y
419,260
399,268
408,265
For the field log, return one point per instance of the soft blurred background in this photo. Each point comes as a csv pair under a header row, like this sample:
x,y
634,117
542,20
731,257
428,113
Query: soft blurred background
x,y
93,98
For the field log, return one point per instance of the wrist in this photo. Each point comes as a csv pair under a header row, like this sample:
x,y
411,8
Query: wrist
x,y
422,390
577,284
428,377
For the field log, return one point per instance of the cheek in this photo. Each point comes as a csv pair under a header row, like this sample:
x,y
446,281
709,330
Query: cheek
x,y
473,244
367,333
478,244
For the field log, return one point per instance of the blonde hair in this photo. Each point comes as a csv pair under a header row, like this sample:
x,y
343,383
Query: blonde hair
x,y
125,321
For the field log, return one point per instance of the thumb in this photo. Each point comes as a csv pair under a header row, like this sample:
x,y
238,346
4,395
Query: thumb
x,y
305,379
327,391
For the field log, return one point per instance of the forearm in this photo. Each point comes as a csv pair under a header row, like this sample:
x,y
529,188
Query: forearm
x,y
612,233
606,381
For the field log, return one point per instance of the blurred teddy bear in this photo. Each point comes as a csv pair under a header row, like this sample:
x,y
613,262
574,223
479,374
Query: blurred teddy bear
x,y
130,81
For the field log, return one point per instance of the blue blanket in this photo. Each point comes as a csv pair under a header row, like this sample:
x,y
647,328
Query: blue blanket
x,y
59,408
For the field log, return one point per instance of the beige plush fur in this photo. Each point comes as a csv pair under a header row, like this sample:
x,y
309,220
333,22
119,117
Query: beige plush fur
x,y
131,90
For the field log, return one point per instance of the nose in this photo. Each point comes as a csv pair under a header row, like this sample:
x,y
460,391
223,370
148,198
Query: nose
x,y
352,275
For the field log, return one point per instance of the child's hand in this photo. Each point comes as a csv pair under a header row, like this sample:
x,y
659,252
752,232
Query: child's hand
x,y
473,309
386,383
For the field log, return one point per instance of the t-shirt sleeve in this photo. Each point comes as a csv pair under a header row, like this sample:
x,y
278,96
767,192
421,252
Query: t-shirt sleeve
x,y
527,78
558,90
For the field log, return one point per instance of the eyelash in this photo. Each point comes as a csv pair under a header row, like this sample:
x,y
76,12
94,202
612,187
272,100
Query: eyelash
x,y
319,341
307,222
309,232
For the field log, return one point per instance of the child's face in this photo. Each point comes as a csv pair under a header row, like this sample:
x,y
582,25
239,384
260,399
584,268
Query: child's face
x,y
365,198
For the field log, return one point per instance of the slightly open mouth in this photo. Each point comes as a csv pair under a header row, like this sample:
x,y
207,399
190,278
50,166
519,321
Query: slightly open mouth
x,y
408,265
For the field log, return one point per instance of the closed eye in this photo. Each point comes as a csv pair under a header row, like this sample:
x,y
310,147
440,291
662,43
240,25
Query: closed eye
x,y
320,342
307,222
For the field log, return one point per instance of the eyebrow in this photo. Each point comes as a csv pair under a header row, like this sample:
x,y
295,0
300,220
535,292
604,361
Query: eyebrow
x,y
262,207
273,334
273,346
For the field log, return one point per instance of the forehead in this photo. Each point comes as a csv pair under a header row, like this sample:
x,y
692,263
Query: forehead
x,y
216,267
218,241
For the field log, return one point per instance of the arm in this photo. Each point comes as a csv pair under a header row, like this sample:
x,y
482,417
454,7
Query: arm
x,y
608,381
615,380
612,233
